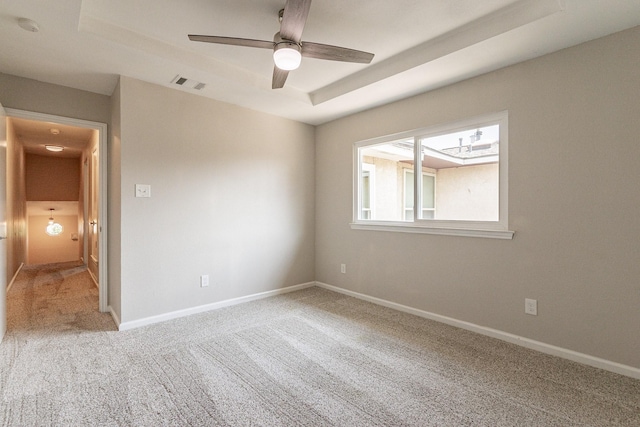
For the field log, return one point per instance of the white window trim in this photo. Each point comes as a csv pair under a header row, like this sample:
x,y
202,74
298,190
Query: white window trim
x,y
418,192
488,229
368,167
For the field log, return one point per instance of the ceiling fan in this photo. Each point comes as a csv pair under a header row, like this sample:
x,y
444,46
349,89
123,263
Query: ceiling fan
x,y
288,48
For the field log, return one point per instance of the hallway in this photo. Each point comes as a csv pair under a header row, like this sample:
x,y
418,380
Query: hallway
x,y
55,194
56,343
52,299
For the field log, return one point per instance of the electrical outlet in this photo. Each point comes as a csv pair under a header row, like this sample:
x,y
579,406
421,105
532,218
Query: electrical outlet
x,y
343,268
204,280
143,190
531,306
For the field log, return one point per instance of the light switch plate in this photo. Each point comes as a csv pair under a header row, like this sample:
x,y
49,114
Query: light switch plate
x,y
531,306
204,280
143,190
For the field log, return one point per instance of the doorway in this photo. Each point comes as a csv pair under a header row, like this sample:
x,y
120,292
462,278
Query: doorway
x,y
91,209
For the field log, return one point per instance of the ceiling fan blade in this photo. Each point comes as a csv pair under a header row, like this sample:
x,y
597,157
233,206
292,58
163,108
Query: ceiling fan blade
x,y
335,53
234,41
293,19
279,77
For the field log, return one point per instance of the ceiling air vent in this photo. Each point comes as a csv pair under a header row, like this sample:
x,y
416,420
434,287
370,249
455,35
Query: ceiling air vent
x,y
187,83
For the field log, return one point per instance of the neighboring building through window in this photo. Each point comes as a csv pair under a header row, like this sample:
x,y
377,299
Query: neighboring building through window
x,y
462,169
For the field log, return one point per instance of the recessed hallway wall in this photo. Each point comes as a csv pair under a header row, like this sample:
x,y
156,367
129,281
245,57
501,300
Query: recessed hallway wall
x,y
52,183
46,249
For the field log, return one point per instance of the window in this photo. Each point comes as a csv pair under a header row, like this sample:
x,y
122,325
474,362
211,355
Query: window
x,y
462,188
428,195
368,190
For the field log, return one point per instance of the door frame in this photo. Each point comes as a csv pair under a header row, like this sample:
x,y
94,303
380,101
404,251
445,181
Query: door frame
x,y
102,199
3,224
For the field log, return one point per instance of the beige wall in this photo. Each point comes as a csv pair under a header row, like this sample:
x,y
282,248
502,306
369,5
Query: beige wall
x,y
31,95
573,203
232,197
45,249
16,204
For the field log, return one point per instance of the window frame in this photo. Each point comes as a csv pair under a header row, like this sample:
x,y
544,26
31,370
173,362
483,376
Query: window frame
x,y
371,168
490,229
407,171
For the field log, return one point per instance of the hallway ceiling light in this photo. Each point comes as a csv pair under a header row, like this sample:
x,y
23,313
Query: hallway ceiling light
x,y
55,148
54,131
53,228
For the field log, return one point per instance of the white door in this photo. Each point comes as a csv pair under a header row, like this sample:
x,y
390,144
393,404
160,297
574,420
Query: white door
x,y
94,219
3,222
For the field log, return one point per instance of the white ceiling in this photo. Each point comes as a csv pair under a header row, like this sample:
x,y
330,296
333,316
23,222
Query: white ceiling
x,y
419,45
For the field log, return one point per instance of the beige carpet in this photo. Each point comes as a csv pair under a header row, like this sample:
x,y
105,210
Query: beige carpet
x,y
308,358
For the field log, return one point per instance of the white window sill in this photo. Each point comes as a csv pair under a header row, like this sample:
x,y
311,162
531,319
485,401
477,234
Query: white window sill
x,y
442,231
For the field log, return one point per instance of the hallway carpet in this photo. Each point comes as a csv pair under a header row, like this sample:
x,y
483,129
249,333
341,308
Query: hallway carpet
x,y
307,358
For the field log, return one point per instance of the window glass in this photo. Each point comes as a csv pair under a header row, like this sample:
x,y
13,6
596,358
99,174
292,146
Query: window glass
x,y
467,167
389,160
462,169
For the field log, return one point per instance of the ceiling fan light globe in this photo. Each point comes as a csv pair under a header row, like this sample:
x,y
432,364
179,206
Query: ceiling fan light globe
x,y
287,56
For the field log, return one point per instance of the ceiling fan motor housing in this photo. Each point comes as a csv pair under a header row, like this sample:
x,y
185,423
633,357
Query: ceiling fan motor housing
x,y
286,53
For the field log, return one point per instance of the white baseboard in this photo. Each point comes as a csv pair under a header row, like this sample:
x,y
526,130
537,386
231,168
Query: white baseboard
x,y
95,281
207,307
115,317
13,279
553,350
